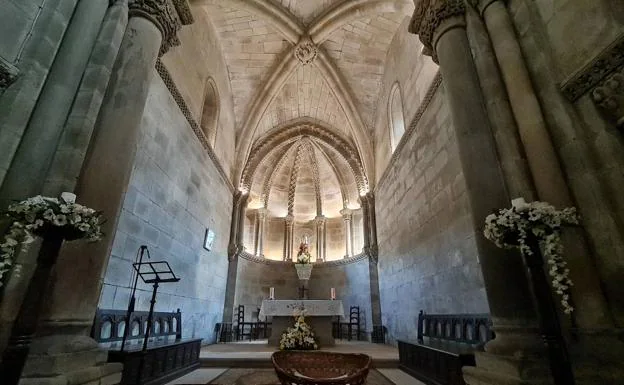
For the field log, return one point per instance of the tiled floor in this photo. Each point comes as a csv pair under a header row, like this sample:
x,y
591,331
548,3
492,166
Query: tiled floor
x,y
238,354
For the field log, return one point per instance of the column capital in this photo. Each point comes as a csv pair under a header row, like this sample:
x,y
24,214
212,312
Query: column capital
x,y
262,212
320,220
346,213
167,15
289,220
431,14
608,95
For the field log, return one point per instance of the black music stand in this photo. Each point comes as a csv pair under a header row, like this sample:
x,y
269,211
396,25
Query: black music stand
x,y
153,272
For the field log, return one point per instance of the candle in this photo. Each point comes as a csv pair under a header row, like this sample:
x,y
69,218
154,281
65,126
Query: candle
x,y
332,293
272,293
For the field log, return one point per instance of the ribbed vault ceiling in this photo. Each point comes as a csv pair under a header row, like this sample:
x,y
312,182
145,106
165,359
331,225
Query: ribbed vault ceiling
x,y
305,60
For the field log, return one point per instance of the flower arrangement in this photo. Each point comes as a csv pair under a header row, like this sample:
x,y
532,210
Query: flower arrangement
x,y
540,222
298,337
40,215
303,255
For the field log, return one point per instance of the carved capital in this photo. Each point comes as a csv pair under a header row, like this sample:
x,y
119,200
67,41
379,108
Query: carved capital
x,y
289,220
347,214
320,220
594,73
167,15
429,15
8,74
609,97
306,51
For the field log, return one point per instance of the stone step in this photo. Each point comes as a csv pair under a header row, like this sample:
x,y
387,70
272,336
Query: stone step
x,y
105,374
40,365
265,362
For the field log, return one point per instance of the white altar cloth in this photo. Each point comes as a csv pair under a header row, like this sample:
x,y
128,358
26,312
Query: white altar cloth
x,y
313,307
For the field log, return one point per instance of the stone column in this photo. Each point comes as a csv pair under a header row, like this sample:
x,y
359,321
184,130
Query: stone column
x,y
289,222
372,224
347,216
69,156
261,218
441,26
32,159
238,212
551,186
366,225
72,302
320,221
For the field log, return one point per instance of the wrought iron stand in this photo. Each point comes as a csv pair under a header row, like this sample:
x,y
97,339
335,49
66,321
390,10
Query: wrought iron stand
x,y
547,314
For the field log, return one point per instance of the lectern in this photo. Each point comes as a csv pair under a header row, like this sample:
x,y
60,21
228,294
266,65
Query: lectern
x,y
154,273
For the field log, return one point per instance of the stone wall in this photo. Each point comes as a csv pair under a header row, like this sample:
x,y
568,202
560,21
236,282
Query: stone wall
x,y
191,64
255,278
427,253
16,20
351,281
413,71
175,193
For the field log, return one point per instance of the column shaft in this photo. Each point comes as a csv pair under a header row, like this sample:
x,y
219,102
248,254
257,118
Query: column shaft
x,y
72,148
484,180
105,176
549,180
32,159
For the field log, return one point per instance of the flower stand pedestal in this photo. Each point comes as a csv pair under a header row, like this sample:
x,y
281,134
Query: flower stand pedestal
x,y
304,271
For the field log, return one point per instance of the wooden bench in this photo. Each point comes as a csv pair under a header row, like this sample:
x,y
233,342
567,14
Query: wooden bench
x,y
445,343
167,357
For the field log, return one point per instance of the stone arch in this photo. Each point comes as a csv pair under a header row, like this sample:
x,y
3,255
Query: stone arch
x,y
210,111
396,117
294,130
349,10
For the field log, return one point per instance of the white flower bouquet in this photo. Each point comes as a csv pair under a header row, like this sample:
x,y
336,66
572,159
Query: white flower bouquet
x,y
540,222
299,337
39,216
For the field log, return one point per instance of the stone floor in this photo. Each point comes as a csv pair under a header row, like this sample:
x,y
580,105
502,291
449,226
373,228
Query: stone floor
x,y
216,359
205,375
258,353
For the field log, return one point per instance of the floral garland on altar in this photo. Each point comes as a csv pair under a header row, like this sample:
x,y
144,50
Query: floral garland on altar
x,y
512,227
298,337
38,216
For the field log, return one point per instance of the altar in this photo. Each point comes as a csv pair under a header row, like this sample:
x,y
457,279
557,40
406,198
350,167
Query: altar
x,y
319,314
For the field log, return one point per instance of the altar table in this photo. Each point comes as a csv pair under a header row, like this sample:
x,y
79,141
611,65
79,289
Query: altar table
x,y
319,315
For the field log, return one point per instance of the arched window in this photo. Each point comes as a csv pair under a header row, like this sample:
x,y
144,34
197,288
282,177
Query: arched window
x,y
210,112
395,115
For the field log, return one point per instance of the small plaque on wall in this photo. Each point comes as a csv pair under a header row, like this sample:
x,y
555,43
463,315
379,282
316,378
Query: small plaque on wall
x,y
209,239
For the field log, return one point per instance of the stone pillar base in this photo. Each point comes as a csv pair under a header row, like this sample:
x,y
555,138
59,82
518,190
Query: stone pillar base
x,y
69,360
596,355
493,369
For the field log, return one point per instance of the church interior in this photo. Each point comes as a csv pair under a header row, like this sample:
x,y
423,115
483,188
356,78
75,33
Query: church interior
x,y
197,191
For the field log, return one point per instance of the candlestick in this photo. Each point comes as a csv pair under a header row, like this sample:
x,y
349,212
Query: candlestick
x,y
272,293
332,293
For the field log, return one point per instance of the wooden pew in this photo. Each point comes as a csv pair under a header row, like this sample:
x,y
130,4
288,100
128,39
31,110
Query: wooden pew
x,y
167,357
445,343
